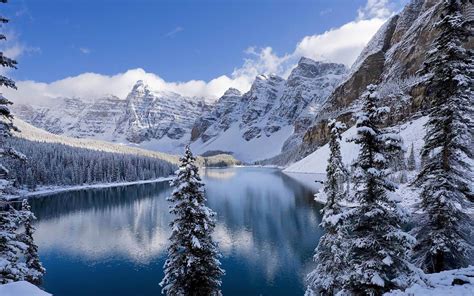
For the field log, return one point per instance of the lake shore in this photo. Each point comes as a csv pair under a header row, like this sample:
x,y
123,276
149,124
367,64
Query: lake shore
x,y
47,190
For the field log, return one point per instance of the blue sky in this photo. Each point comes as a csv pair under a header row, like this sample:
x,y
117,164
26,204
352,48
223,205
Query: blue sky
x,y
176,40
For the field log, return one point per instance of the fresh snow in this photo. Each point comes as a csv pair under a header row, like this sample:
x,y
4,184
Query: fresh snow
x,y
441,284
311,170
316,162
21,288
246,151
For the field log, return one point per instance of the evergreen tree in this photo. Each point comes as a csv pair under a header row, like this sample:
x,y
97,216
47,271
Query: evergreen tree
x,y
11,269
411,163
35,270
192,267
6,118
377,255
328,276
446,175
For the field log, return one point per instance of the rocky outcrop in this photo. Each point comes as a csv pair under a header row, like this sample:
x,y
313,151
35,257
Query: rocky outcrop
x,y
391,59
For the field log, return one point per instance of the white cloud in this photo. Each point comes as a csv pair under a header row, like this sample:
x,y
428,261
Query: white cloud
x,y
175,31
84,50
375,9
342,45
13,49
93,85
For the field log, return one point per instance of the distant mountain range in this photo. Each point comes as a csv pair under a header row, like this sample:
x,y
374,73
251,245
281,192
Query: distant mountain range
x,y
277,121
273,110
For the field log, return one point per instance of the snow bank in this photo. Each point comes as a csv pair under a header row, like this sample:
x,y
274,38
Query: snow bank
x,y
446,283
21,288
316,162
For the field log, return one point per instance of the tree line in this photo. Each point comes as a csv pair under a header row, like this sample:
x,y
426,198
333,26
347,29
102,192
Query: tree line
x,y
62,165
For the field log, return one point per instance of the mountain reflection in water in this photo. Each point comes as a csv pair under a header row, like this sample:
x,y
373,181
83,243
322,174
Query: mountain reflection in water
x,y
267,228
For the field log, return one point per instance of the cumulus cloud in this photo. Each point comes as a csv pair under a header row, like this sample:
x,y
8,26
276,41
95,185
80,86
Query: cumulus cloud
x,y
92,86
342,44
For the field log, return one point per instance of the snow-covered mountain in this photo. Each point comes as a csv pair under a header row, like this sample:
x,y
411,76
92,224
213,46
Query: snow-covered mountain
x,y
256,125
252,126
156,120
392,60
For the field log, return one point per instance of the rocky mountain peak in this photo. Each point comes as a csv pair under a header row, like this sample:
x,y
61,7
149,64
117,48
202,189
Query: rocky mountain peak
x,y
232,92
309,68
140,87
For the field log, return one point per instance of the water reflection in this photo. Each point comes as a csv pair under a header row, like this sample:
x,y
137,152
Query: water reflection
x,y
267,230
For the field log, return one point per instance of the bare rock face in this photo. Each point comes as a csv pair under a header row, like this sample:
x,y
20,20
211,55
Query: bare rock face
x,y
219,117
154,115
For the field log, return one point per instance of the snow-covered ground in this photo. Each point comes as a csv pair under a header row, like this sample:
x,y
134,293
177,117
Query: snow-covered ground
x,y
46,190
21,288
316,162
443,284
246,151
312,169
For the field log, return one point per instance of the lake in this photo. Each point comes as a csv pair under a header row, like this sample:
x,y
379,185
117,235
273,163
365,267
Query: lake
x,y
113,241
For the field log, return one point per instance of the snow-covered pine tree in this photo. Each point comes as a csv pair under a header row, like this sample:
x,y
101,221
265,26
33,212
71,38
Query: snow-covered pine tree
x,y
11,269
446,176
193,266
377,257
411,162
328,276
6,123
35,269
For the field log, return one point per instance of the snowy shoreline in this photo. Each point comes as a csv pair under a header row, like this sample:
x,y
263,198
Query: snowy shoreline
x,y
47,190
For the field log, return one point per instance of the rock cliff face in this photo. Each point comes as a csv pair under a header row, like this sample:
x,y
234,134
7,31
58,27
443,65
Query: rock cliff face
x,y
74,116
391,59
272,114
152,115
158,120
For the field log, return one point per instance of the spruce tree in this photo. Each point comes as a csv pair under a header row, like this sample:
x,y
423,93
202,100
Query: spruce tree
x,y
446,176
35,269
193,266
11,269
377,256
328,276
411,163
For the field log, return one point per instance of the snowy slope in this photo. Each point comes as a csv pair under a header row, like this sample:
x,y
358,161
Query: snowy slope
x,y
232,141
441,284
21,288
29,132
258,124
315,163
